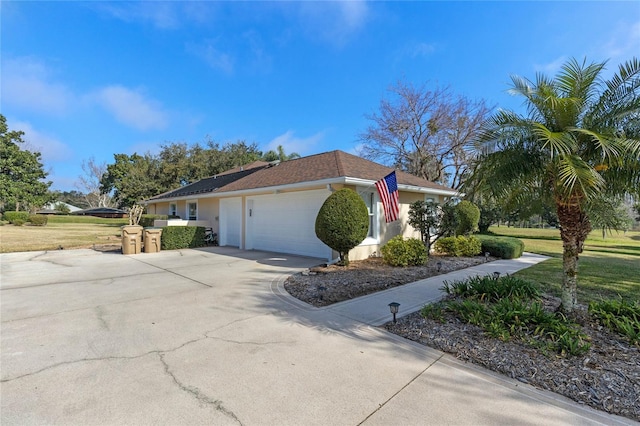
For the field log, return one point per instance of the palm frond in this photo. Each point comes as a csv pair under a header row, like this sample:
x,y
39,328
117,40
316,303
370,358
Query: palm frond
x,y
577,179
606,147
556,143
577,80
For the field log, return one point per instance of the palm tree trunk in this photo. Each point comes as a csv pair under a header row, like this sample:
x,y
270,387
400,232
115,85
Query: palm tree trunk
x,y
574,228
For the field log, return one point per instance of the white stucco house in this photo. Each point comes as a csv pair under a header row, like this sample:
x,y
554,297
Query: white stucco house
x,y
273,206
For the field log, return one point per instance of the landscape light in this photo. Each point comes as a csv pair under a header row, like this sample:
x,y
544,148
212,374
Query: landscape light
x,y
393,306
496,275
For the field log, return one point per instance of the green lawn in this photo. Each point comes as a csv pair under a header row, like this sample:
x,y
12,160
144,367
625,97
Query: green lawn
x,y
61,231
608,268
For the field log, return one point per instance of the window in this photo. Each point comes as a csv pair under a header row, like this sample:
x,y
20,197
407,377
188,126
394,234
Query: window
x,y
173,209
192,210
369,200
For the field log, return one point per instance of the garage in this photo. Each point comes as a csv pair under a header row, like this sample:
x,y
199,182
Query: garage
x,y
285,222
230,221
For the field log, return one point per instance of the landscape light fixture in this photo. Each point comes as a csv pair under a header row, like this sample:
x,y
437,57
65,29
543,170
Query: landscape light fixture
x,y
321,290
496,275
393,306
486,256
439,265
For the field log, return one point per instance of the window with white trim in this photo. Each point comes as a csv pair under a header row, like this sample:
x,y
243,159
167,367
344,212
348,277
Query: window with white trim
x,y
192,210
173,209
369,198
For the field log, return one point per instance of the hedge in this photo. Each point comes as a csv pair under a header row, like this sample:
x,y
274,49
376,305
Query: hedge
x,y
503,247
459,246
401,252
179,237
148,219
38,219
11,217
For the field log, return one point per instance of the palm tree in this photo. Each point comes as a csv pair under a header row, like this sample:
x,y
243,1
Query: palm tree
x,y
279,155
579,139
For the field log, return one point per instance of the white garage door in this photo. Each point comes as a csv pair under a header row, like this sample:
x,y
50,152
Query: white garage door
x,y
230,221
285,223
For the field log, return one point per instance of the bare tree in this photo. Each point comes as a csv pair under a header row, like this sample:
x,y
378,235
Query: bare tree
x,y
89,184
424,132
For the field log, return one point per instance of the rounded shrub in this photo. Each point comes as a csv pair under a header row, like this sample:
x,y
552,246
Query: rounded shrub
x,y
343,222
11,217
467,218
401,252
503,247
38,219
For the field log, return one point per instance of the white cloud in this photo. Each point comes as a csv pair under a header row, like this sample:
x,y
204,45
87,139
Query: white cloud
x,y
292,144
551,68
163,15
50,147
623,43
27,84
333,21
214,57
131,107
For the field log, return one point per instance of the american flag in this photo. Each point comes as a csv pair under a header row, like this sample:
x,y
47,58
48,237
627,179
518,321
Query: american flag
x,y
388,190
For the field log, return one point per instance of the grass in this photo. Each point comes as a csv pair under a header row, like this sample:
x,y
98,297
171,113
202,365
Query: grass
x,y
61,231
609,267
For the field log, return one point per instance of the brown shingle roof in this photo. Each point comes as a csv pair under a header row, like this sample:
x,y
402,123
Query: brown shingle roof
x,y
334,164
328,165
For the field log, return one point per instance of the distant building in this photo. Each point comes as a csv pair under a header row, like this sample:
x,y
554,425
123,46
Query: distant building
x,y
107,212
51,208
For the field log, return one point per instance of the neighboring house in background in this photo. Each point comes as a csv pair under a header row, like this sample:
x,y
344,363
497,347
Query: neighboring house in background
x,y
106,212
51,208
273,206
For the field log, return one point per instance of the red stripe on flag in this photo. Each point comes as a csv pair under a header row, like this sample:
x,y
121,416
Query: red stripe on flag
x,y
388,190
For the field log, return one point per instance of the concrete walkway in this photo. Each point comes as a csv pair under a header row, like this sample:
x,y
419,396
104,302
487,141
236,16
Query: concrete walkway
x,y
373,309
208,337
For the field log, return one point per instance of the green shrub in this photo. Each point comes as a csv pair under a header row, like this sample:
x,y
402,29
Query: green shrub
x,y
11,217
18,222
490,289
343,222
509,308
147,220
502,247
469,246
467,218
459,246
620,316
38,219
179,237
401,252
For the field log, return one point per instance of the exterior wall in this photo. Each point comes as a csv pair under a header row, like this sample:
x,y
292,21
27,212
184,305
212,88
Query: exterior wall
x,y
389,230
209,211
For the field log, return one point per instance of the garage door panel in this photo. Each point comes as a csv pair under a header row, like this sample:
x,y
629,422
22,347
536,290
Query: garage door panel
x,y
286,223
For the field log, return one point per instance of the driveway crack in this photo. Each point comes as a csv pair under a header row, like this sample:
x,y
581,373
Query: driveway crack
x,y
194,391
400,390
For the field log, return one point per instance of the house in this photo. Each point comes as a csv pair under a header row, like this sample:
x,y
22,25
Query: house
x,y
105,212
52,208
273,206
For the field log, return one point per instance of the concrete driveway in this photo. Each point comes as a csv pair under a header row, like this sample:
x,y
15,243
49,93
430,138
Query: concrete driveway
x,y
206,337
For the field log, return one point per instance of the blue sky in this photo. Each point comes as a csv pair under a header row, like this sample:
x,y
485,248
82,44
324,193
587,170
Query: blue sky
x,y
91,79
